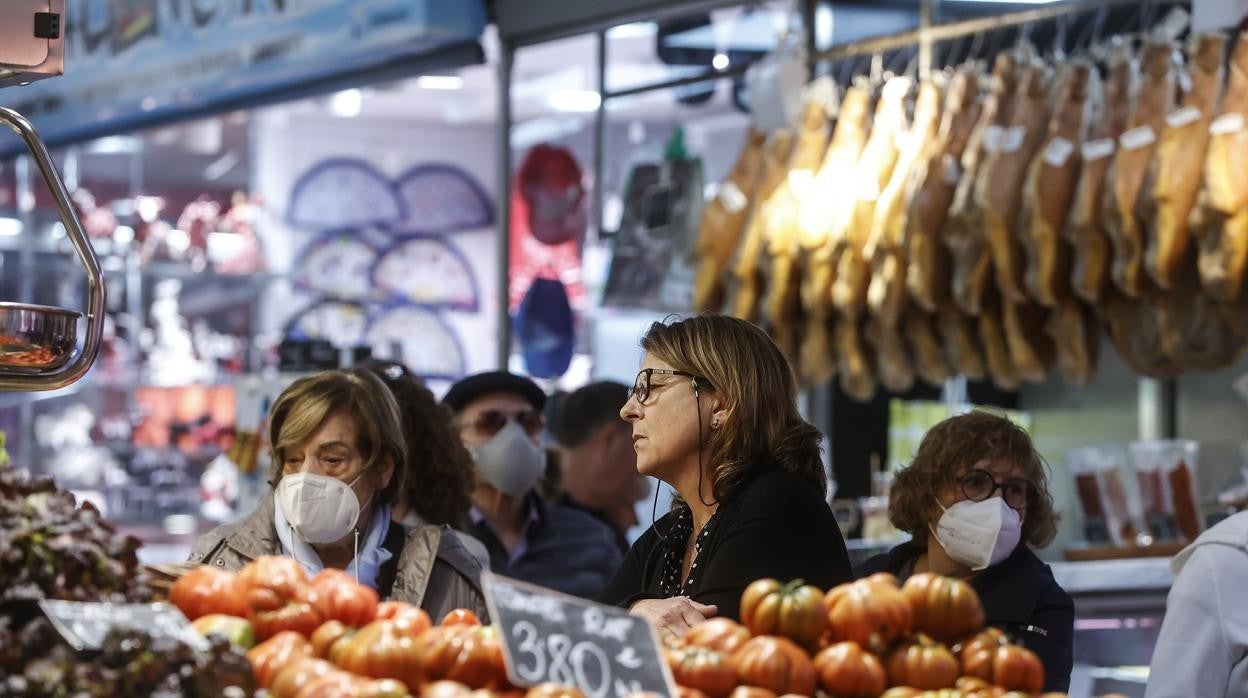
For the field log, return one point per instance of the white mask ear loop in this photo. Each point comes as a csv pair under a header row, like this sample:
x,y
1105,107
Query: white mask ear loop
x,y
355,554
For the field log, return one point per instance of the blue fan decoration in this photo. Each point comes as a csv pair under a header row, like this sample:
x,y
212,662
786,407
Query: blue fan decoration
x,y
343,193
337,265
420,337
443,198
427,271
341,323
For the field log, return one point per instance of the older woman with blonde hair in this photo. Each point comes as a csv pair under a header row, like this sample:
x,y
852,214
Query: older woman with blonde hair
x,y
338,456
714,415
974,499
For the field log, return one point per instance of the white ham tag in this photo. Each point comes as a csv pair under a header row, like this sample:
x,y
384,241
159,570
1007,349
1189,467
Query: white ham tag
x,y
800,181
952,168
1058,152
1013,139
992,138
1097,149
1227,124
1138,137
1183,117
732,199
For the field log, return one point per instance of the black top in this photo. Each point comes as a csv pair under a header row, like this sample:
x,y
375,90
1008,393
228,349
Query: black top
x,y
1020,597
777,525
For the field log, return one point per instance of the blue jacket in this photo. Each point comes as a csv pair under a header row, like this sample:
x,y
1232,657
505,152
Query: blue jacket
x,y
563,549
1020,597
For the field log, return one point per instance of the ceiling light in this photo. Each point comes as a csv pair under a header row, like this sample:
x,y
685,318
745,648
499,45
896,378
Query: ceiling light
x,y
635,30
10,227
347,103
574,100
720,61
440,82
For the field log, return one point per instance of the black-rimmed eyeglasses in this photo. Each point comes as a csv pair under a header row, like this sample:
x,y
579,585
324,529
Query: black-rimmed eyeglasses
x,y
979,484
641,386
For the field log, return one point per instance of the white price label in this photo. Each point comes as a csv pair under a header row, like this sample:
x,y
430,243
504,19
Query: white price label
x,y
1227,124
800,181
732,199
992,138
952,168
1097,149
1183,117
1058,152
1138,137
1013,139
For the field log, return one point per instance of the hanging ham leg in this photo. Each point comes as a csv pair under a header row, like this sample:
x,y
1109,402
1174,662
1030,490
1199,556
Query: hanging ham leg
x,y
935,181
1220,221
992,337
959,335
999,186
1050,186
1031,349
1126,175
1076,333
1085,230
1174,178
964,231
929,358
723,219
857,370
745,278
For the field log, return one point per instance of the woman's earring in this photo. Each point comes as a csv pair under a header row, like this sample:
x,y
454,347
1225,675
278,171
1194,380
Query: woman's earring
x,y
714,424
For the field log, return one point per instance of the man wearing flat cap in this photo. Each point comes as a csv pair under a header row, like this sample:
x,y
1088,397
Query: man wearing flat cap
x,y
499,416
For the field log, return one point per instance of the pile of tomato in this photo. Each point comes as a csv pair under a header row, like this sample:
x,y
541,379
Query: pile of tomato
x,y
865,639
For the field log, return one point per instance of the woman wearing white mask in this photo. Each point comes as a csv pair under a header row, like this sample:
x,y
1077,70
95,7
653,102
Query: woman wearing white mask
x,y
336,442
499,416
974,498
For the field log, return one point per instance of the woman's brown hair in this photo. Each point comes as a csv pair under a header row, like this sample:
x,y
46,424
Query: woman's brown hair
x,y
305,404
439,469
756,386
951,448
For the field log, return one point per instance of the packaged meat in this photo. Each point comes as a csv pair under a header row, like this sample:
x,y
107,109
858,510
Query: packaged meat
x,y
1100,489
1169,489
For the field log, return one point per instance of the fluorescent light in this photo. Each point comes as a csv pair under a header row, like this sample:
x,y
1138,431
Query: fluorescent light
x,y
440,82
347,103
635,30
112,145
720,61
574,100
1015,2
10,227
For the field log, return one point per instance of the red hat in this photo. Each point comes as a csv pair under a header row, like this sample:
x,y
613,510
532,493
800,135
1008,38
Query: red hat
x,y
549,180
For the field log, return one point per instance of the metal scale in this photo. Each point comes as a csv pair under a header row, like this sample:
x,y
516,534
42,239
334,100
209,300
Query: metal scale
x,y
39,344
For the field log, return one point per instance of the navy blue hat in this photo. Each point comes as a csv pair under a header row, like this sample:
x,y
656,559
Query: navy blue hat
x,y
473,387
544,326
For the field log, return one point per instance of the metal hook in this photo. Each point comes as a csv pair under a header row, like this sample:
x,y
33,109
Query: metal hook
x,y
1091,31
877,68
977,45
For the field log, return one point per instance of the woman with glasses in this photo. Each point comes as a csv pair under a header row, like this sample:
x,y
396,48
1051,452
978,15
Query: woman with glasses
x,y
714,415
974,500
338,454
499,418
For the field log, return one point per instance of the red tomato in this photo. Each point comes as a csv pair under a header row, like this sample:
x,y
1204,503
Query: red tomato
x,y
299,673
415,618
337,596
461,616
272,655
381,650
471,655
207,590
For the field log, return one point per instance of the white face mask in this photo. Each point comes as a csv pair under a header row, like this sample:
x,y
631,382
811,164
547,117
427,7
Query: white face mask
x,y
979,534
321,509
510,461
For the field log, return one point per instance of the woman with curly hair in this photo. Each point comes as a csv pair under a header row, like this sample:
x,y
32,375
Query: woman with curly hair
x,y
714,415
439,474
973,500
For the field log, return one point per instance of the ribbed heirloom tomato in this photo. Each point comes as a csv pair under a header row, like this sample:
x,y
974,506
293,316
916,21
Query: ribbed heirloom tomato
x,y
299,673
777,664
790,610
846,671
871,612
946,609
461,616
337,596
414,617
381,650
270,656
706,670
719,634
553,690
330,637
471,655
921,663
749,692
207,590
992,657
278,597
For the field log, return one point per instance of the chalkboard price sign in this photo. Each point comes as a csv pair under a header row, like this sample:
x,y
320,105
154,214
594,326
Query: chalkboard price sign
x,y
85,625
548,636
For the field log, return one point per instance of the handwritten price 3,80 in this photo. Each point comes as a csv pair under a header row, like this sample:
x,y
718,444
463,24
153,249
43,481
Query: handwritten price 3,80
x,y
556,658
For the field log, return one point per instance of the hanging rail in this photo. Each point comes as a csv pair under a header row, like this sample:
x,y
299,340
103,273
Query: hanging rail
x,y
920,36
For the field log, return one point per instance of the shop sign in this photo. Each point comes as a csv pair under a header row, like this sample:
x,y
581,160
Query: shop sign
x,y
130,63
551,637
84,626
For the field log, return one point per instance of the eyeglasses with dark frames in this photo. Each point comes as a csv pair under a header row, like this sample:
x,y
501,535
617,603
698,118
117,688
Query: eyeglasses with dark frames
x,y
641,386
490,422
979,484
